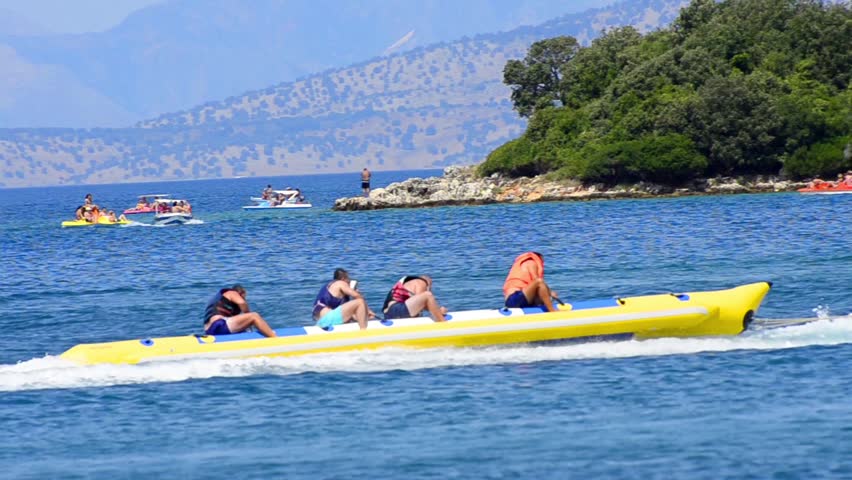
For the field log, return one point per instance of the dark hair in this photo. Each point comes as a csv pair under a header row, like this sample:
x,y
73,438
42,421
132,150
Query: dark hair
x,y
239,289
340,274
539,255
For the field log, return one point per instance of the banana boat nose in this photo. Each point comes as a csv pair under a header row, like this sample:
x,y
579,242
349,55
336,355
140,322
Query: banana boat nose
x,y
747,301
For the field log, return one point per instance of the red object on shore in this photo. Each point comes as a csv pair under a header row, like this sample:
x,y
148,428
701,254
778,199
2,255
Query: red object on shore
x,y
827,188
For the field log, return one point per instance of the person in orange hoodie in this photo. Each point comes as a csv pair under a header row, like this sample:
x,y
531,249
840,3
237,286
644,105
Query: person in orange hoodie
x,y
525,285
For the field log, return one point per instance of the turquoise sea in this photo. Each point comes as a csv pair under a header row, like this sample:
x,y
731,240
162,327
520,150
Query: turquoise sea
x,y
767,404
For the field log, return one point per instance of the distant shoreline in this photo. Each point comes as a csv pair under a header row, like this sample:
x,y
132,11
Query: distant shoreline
x,y
260,178
459,186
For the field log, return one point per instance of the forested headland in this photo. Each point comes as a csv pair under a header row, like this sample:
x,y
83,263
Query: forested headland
x,y
741,87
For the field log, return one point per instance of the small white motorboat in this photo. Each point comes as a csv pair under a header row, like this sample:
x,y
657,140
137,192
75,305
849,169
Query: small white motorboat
x,y
172,218
280,200
169,211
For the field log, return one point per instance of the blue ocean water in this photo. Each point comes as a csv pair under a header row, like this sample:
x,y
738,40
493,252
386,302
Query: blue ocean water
x,y
766,404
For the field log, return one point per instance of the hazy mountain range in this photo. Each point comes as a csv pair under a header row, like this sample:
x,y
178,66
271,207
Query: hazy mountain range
x,y
431,105
184,52
14,24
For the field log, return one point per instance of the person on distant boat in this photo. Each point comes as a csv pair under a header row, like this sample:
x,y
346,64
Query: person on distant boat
x,y
181,207
525,285
112,218
88,211
338,302
818,183
228,312
142,203
410,296
365,181
847,179
267,192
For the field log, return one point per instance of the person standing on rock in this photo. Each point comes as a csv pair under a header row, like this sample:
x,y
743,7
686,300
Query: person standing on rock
x,y
365,181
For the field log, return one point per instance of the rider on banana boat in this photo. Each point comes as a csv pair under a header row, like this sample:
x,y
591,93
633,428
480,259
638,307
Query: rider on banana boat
x,y
339,302
525,285
410,296
228,312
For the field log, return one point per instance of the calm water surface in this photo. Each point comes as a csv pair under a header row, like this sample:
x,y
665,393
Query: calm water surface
x,y
767,404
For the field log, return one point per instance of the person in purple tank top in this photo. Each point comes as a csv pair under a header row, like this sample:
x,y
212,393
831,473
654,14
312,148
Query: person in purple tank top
x,y
339,302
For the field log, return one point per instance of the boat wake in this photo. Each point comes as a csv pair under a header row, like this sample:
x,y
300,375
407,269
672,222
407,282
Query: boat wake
x,y
133,223
52,372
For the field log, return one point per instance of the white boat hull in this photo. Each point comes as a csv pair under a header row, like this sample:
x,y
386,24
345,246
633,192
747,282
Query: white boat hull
x,y
284,206
172,218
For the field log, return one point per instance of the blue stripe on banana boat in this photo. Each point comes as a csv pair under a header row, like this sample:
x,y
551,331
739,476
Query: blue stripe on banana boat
x,y
693,314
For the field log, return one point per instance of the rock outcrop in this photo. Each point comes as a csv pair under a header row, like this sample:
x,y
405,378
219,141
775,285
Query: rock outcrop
x,y
461,186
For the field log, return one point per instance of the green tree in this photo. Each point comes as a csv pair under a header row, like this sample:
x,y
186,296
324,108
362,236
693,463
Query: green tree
x,y
826,158
515,158
592,70
737,127
670,159
694,16
536,80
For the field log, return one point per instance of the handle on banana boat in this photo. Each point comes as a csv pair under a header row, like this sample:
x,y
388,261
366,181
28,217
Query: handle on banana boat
x,y
680,296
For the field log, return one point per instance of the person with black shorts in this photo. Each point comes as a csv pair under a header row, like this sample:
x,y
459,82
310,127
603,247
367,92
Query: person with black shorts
x,y
365,181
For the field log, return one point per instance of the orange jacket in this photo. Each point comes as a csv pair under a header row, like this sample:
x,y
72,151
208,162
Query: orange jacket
x,y
519,277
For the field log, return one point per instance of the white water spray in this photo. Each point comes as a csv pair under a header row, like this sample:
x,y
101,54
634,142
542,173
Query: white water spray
x,y
53,372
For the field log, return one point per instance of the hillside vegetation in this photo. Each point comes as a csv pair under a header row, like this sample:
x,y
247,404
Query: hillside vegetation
x,y
177,54
730,88
429,107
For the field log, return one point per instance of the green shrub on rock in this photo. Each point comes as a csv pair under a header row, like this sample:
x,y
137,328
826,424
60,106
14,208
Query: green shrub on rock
x,y
824,159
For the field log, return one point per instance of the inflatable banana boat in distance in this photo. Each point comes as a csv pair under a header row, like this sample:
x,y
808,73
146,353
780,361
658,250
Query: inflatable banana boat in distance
x,y
102,221
710,313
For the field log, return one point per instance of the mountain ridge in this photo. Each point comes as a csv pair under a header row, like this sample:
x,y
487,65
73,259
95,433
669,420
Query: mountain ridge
x,y
178,54
428,107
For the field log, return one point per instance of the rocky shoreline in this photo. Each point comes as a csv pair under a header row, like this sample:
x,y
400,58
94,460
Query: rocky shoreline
x,y
461,186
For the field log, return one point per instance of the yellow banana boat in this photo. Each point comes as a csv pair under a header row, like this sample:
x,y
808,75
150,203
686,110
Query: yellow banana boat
x,y
720,312
101,221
